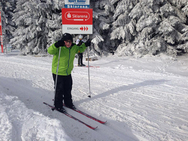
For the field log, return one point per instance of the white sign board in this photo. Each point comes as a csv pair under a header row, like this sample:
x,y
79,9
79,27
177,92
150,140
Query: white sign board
x,y
77,3
77,21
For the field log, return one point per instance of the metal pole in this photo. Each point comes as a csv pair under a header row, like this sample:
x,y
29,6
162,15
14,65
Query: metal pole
x,y
57,71
88,70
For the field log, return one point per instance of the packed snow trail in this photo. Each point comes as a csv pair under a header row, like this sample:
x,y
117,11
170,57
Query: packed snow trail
x,y
142,99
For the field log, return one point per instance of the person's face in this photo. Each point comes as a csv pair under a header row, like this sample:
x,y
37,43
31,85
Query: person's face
x,y
68,43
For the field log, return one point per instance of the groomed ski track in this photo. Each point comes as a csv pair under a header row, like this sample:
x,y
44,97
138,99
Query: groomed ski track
x,y
139,103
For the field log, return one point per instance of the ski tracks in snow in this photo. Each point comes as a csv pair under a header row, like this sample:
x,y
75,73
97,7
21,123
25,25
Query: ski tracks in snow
x,y
138,104
153,105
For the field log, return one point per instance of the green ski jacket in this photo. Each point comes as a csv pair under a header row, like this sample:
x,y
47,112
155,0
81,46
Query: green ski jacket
x,y
66,61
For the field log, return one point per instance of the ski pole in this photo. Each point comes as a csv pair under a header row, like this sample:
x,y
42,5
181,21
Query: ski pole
x,y
88,70
57,71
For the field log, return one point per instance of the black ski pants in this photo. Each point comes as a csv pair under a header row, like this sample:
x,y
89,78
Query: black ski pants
x,y
63,90
80,58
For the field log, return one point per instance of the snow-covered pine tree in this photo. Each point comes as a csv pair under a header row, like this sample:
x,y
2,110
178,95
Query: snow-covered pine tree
x,y
102,20
54,21
7,8
37,21
142,27
127,27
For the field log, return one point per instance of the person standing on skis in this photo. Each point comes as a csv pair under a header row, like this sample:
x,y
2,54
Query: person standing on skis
x,y
64,65
79,42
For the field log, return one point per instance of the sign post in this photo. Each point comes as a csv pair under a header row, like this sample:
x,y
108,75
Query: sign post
x,y
1,34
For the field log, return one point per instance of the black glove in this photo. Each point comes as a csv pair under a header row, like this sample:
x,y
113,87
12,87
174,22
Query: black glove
x,y
80,42
59,43
88,43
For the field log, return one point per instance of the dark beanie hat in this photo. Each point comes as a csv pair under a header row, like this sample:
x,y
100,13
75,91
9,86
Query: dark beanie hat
x,y
67,36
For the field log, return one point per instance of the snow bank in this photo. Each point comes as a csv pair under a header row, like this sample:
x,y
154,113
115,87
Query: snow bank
x,y
19,123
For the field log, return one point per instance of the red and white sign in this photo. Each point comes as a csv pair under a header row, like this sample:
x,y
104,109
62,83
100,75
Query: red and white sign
x,y
1,34
77,21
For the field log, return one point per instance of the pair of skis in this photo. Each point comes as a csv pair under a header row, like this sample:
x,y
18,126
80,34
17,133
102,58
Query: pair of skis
x,y
81,112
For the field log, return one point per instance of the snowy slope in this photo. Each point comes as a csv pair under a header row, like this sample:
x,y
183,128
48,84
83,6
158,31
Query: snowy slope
x,y
143,99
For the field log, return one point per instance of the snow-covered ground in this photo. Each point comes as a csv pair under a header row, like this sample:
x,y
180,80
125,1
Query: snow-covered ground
x,y
143,99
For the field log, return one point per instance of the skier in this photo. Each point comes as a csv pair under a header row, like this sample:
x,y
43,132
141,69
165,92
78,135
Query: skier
x,y
64,65
79,42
